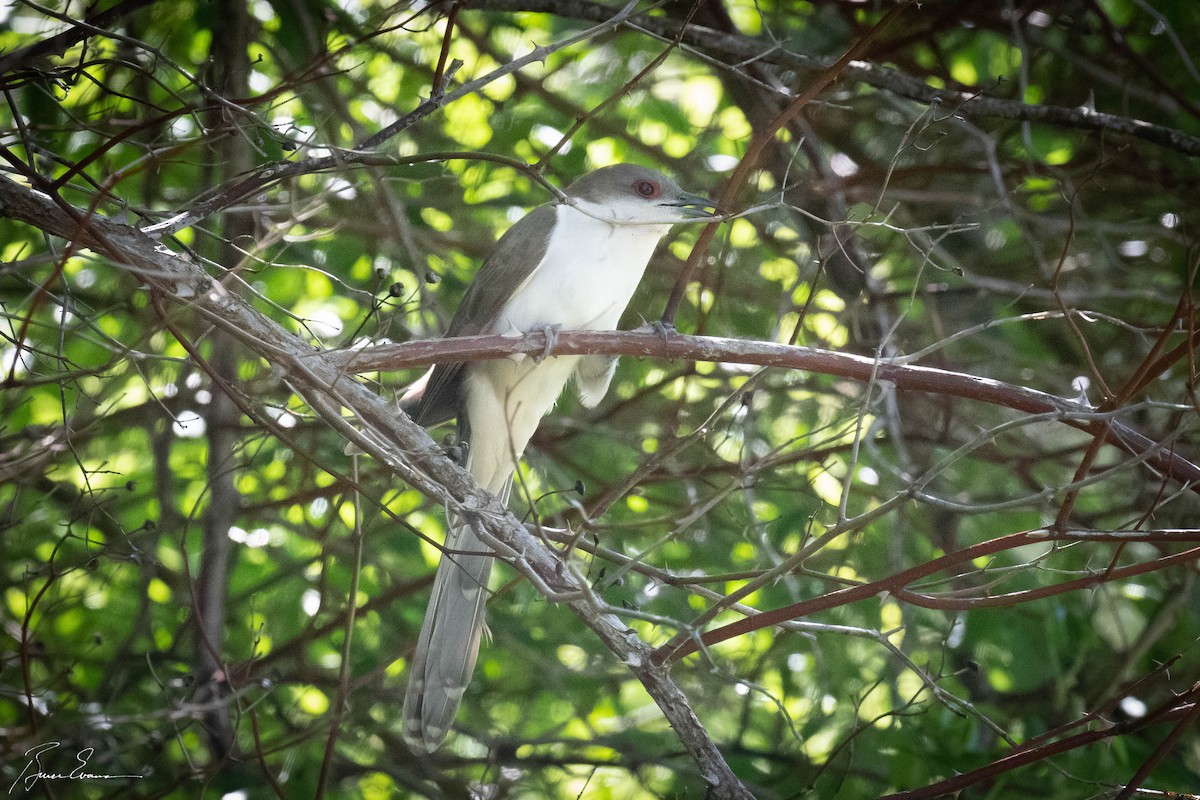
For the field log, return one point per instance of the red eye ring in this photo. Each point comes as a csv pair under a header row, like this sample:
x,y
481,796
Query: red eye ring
x,y
647,189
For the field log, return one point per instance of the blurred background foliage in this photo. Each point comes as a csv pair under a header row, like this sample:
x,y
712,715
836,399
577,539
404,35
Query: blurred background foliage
x,y
1042,254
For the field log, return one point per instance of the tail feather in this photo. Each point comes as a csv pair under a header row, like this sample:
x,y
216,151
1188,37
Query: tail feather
x,y
448,646
498,413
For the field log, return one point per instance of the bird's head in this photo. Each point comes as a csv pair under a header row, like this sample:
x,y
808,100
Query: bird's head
x,y
626,194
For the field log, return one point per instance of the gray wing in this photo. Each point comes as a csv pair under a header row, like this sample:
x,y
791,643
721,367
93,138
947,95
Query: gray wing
x,y
518,252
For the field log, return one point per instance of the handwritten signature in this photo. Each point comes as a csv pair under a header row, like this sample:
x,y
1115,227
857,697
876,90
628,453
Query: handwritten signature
x,y
34,771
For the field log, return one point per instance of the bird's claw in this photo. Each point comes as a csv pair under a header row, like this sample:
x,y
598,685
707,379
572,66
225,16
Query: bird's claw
x,y
551,334
663,329
455,448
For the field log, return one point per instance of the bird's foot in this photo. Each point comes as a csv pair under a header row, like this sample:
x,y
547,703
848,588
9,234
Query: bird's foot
x,y
551,334
663,329
455,448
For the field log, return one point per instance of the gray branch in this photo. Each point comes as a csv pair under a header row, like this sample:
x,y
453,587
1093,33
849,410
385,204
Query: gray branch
x,y
388,436
734,48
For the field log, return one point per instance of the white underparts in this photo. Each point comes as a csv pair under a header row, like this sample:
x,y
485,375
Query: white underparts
x,y
584,282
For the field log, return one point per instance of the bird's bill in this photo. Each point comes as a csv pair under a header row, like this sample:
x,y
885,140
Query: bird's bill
x,y
694,206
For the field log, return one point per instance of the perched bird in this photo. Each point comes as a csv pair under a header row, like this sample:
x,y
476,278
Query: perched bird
x,y
569,265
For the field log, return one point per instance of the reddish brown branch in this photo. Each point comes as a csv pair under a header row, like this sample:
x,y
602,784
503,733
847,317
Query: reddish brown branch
x,y
58,44
971,104
1177,707
439,73
905,377
759,142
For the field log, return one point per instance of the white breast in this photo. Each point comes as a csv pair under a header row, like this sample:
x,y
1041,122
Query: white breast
x,y
584,282
586,278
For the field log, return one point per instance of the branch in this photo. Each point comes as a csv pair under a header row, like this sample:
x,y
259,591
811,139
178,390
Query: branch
x,y
897,586
1175,708
260,178
905,377
761,137
363,154
967,104
391,438
58,44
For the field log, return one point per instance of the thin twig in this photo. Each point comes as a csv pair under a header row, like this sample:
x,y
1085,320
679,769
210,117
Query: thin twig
x,y
758,143
342,700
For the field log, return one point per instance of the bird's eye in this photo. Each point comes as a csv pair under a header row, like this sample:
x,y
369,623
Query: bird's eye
x,y
647,189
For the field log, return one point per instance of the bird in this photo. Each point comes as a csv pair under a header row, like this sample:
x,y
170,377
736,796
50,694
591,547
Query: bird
x,y
568,265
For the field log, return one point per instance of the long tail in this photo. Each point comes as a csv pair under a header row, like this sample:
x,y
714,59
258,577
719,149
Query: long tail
x,y
445,655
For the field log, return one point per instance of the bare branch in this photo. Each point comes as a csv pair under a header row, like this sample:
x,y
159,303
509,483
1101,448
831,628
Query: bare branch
x,y
963,103
399,444
905,377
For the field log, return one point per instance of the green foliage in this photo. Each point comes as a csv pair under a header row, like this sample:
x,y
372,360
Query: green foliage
x,y
1045,255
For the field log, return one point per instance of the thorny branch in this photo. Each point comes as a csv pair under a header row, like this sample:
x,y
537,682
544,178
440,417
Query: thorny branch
x,y
904,376
325,378
391,438
965,103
